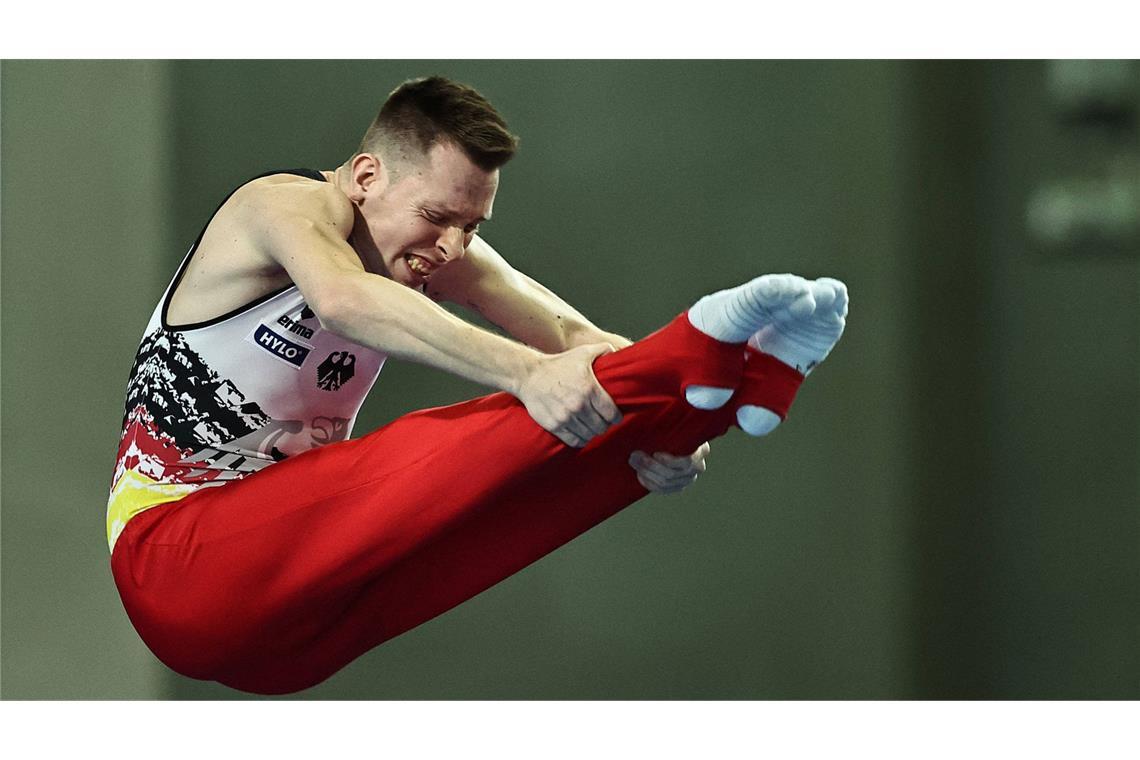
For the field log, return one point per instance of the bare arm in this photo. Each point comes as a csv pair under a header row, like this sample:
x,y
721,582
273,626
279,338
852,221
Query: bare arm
x,y
484,282
304,229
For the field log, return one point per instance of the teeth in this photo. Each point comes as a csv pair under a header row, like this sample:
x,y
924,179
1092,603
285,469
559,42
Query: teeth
x,y
417,266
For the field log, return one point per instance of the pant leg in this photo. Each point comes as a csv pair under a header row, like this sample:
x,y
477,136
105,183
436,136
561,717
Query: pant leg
x,y
273,583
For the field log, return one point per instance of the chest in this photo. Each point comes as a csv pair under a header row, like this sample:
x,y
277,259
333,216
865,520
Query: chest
x,y
226,271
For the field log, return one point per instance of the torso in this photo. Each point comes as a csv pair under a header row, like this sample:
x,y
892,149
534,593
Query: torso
x,y
234,373
227,270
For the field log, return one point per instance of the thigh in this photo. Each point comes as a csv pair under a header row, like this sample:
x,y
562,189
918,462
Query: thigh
x,y
528,514
357,541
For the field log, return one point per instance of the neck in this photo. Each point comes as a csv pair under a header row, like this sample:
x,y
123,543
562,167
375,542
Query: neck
x,y
339,178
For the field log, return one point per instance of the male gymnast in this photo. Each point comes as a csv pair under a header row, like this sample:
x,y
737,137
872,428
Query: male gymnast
x,y
254,544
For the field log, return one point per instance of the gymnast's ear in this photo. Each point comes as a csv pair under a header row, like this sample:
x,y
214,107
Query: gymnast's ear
x,y
365,171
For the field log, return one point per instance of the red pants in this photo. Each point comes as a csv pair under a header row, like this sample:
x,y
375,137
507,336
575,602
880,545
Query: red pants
x,y
272,583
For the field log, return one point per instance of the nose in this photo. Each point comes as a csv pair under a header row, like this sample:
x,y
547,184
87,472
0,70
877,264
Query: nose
x,y
452,244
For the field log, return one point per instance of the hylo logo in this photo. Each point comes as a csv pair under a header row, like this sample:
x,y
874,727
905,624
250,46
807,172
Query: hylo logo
x,y
283,349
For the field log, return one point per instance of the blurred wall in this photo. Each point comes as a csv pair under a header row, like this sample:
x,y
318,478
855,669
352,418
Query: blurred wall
x,y
85,246
936,519
1027,501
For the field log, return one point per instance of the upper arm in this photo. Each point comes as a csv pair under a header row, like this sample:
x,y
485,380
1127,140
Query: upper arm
x,y
303,228
485,283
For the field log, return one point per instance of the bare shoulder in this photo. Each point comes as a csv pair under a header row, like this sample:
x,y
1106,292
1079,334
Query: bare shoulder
x,y
240,255
285,199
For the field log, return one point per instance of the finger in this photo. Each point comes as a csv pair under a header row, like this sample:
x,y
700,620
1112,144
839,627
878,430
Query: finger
x,y
653,483
647,485
549,422
592,421
665,479
675,480
576,428
672,462
701,452
659,485
604,405
679,465
649,464
568,438
566,432
689,464
695,462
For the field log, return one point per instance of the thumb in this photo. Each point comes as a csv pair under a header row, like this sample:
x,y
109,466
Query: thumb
x,y
594,350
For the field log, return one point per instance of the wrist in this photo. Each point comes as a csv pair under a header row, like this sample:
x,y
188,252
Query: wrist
x,y
617,341
588,335
526,362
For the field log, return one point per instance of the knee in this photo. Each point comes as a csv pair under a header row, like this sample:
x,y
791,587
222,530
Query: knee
x,y
193,640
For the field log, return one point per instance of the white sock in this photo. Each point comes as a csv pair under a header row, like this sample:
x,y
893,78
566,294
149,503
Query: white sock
x,y
734,316
803,341
799,342
707,396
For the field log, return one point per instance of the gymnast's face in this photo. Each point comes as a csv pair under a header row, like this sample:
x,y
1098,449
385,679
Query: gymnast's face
x,y
420,215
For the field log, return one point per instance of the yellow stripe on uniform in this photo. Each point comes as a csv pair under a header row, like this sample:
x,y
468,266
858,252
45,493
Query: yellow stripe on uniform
x,y
135,493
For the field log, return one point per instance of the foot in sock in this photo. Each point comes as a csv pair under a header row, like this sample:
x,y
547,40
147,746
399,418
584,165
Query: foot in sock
x,y
799,341
797,321
734,315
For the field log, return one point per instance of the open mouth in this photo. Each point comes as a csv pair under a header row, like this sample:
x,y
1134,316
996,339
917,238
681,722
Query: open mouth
x,y
419,266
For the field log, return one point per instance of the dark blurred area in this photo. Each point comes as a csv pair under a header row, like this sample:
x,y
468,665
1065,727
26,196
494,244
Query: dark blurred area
x,y
952,510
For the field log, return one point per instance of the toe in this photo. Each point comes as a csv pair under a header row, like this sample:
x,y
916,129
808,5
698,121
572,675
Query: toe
x,y
824,294
803,306
778,289
840,303
768,288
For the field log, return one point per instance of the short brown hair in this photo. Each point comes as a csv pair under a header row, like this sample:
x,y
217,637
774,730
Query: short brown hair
x,y
422,112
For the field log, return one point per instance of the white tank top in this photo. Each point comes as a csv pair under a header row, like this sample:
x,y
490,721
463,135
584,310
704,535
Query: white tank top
x,y
215,401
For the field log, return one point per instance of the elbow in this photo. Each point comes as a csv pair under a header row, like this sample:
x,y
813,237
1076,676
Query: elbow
x,y
334,305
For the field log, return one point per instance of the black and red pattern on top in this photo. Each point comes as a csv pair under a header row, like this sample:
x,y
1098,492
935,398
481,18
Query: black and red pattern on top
x,y
180,413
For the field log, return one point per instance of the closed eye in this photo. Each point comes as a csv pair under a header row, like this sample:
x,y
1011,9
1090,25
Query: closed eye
x,y
441,219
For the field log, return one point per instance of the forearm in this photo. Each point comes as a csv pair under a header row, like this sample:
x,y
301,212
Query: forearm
x,y
589,333
560,326
401,322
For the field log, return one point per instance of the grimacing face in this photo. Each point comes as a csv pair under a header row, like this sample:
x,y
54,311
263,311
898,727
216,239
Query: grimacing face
x,y
426,217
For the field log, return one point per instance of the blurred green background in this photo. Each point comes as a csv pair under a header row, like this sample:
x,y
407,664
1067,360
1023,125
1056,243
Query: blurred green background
x,y
950,512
